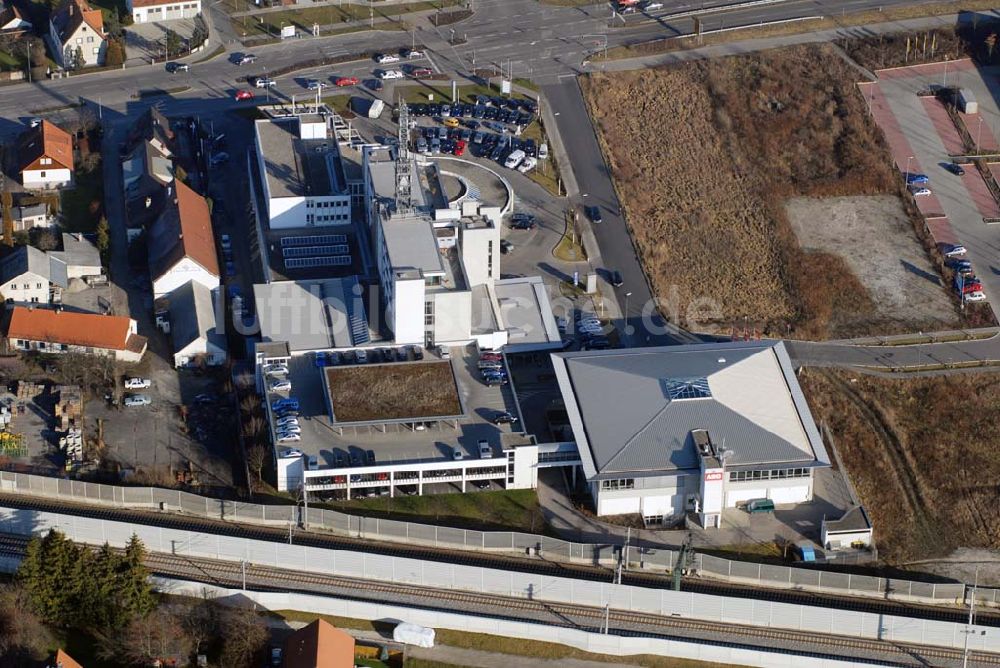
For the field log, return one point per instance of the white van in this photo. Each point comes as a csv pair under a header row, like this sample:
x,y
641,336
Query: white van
x,y
390,74
514,159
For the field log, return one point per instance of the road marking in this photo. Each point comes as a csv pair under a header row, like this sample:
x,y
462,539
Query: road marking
x,y
434,66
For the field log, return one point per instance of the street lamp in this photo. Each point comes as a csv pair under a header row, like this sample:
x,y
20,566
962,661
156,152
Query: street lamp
x,y
628,327
907,173
979,132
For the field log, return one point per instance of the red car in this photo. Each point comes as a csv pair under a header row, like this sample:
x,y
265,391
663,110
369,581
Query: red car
x,y
347,81
243,95
459,147
421,72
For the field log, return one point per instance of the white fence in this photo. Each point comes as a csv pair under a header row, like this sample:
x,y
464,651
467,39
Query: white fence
x,y
506,583
552,549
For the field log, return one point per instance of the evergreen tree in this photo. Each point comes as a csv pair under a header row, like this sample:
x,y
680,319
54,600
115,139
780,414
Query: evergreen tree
x,y
78,61
51,575
134,591
103,238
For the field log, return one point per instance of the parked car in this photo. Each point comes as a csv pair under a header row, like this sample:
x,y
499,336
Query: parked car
x,y
290,403
957,170
289,438
421,72
275,370
954,250
280,385
413,53
286,421
288,429
919,192
543,152
390,74
242,95
594,214
226,242
755,506
450,122
370,457
505,417
174,68
506,247
514,159
346,81
137,400
457,455
315,84
137,383
264,82
961,266
459,148
917,179
219,158
422,146
386,58
527,164
361,356
485,451
975,297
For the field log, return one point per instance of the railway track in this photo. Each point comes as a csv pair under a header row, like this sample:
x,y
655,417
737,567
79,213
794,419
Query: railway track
x,y
500,561
588,618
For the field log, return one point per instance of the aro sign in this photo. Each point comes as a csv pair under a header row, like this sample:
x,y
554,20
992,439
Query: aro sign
x,y
713,475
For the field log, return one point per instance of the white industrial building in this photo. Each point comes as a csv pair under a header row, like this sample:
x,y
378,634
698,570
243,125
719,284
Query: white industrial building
x,y
148,11
302,177
692,428
195,314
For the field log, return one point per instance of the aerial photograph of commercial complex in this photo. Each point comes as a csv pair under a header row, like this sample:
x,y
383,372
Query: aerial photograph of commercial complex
x,y
499,333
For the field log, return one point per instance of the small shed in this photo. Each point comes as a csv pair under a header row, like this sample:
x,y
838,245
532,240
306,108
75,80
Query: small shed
x,y
852,531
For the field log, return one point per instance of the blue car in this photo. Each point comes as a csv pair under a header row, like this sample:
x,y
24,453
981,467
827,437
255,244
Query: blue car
x,y
290,403
917,179
320,360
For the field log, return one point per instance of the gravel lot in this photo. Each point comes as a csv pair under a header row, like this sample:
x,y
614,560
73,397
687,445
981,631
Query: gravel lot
x,y
875,237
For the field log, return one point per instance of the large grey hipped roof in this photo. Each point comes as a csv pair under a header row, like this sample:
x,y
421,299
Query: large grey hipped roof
x,y
633,411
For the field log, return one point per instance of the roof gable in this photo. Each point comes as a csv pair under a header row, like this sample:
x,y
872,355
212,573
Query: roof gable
x,y
183,230
72,14
193,317
90,330
46,140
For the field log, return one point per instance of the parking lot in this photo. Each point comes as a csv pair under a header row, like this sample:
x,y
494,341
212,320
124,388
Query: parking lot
x,y
413,441
922,142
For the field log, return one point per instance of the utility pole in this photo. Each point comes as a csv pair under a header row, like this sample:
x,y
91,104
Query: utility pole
x,y
243,568
607,617
972,611
27,49
628,538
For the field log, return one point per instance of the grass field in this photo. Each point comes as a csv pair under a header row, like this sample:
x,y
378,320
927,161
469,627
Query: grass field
x,y
928,484
703,186
393,391
513,510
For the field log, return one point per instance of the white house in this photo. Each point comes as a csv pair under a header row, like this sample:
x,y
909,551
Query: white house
x,y
692,428
80,255
304,184
194,326
181,244
48,331
30,216
76,28
31,276
148,11
45,154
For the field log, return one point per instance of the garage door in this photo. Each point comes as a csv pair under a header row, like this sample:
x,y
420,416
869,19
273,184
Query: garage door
x,y
619,506
797,494
738,496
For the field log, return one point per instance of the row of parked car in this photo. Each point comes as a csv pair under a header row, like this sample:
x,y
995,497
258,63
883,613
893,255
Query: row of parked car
x,y
510,114
492,369
367,356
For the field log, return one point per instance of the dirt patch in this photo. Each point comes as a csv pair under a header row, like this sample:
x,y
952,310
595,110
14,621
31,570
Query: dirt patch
x,y
874,236
703,185
393,391
928,484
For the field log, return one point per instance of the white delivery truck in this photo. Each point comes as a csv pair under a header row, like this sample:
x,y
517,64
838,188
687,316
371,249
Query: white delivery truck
x,y
376,108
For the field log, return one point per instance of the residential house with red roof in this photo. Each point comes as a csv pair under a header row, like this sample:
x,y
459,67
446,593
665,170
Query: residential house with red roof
x,y
319,645
75,27
52,331
181,244
144,11
45,156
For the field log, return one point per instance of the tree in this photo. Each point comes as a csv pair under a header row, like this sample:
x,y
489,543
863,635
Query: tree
x,y
135,592
103,238
24,639
51,577
256,458
244,634
172,41
113,25
157,636
44,239
115,55
7,202
77,61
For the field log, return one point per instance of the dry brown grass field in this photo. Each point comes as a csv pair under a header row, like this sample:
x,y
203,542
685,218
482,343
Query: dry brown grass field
x,y
704,155
929,485
393,391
